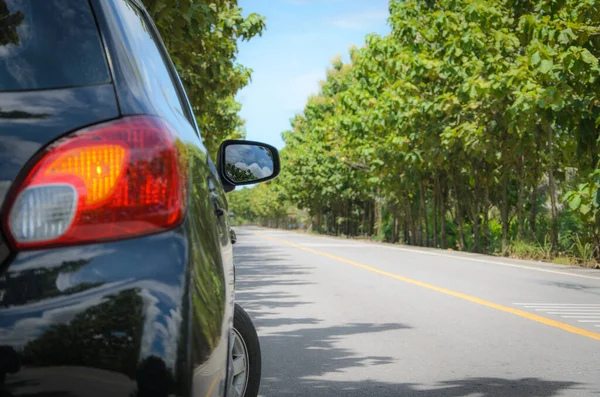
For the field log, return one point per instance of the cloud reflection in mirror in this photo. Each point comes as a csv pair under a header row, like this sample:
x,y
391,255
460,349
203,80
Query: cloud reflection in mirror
x,y
245,163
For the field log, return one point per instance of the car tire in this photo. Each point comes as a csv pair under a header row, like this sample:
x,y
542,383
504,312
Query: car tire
x,y
246,346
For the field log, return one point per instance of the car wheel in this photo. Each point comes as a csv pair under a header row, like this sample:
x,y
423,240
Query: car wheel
x,y
245,356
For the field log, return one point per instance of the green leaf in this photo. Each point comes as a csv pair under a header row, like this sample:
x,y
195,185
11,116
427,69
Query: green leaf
x,y
567,196
536,58
546,66
575,202
588,57
585,209
596,198
566,35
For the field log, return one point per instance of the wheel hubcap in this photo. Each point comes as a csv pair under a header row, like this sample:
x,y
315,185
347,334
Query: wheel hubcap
x,y
239,359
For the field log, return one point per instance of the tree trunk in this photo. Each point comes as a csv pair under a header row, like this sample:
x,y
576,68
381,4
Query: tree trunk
x,y
476,235
418,225
371,218
505,225
395,226
348,211
436,203
443,204
459,216
520,209
407,222
320,219
364,220
475,212
552,185
597,239
423,210
533,211
337,214
414,238
378,214
534,186
486,216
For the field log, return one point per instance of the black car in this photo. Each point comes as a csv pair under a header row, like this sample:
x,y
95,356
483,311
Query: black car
x,y
116,268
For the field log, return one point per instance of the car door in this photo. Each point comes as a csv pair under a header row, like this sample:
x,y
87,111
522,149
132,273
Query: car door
x,y
146,82
212,218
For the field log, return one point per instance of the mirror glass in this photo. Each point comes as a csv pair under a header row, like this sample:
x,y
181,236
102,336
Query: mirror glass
x,y
248,163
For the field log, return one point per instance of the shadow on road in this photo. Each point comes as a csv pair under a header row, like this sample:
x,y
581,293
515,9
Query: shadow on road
x,y
474,387
263,284
299,354
580,287
266,278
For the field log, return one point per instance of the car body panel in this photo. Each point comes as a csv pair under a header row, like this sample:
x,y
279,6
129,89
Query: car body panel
x,y
30,120
97,311
142,316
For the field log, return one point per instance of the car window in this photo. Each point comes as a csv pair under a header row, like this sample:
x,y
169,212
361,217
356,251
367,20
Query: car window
x,y
146,49
49,44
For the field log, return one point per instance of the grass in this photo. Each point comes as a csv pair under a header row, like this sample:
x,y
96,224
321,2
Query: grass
x,y
584,250
565,260
582,253
525,250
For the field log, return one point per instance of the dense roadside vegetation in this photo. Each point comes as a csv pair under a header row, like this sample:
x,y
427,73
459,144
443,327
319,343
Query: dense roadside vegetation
x,y
202,39
474,125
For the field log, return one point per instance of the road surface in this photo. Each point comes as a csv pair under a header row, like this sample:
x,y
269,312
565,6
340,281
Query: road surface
x,y
351,318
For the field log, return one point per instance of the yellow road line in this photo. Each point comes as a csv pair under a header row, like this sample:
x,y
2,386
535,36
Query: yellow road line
x,y
212,386
516,312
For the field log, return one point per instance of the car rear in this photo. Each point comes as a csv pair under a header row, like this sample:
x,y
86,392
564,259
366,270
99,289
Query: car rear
x,y
94,243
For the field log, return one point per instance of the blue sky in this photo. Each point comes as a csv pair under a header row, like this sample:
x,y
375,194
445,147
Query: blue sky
x,y
292,55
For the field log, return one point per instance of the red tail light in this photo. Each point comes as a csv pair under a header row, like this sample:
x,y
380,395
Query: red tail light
x,y
111,181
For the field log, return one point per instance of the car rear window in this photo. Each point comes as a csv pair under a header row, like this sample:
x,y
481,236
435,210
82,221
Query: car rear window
x,y
49,44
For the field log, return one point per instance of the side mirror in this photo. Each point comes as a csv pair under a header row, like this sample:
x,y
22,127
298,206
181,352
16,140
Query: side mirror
x,y
242,162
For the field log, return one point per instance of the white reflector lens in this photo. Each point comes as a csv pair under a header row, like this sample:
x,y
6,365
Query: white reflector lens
x,y
43,213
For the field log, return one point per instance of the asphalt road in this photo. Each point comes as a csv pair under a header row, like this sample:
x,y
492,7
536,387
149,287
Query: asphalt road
x,y
350,318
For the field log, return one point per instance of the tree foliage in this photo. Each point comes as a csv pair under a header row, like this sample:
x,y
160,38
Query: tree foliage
x,y
473,125
8,25
202,39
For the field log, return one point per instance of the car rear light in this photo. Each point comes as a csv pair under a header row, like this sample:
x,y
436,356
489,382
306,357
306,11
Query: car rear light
x,y
119,179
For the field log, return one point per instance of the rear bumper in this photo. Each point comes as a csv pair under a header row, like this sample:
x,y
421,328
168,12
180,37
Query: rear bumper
x,y
112,318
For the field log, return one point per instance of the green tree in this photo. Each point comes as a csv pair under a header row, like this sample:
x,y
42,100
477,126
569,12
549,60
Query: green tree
x,y
8,24
202,38
474,124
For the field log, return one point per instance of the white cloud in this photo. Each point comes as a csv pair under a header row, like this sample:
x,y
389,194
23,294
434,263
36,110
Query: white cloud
x,y
362,20
255,169
160,326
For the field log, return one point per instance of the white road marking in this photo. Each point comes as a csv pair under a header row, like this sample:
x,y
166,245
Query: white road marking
x,y
457,257
566,308
580,312
335,245
542,305
573,313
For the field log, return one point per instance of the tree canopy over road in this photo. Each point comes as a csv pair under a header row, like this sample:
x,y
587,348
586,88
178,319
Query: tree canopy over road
x,y
202,39
473,125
